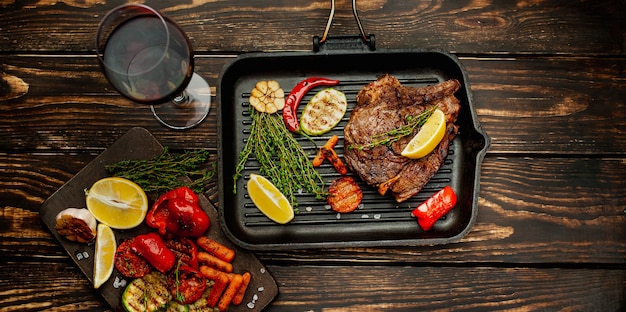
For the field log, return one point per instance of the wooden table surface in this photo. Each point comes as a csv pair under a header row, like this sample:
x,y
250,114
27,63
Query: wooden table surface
x,y
549,86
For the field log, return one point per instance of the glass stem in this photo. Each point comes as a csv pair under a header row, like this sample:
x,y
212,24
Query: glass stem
x,y
181,99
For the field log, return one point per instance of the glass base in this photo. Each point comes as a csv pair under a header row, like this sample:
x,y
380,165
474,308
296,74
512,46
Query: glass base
x,y
188,110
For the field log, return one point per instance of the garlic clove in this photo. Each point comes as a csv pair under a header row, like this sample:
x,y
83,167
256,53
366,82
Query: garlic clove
x,y
76,224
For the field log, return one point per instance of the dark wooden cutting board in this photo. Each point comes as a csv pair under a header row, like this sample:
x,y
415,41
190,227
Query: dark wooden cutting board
x,y
138,143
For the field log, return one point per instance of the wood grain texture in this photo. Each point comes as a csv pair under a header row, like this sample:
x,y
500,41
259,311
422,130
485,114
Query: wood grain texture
x,y
563,115
430,288
548,81
583,27
527,214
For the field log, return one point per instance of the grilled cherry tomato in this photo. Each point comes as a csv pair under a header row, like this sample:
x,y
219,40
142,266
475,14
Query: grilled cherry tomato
x,y
186,284
290,111
185,251
128,263
435,207
344,195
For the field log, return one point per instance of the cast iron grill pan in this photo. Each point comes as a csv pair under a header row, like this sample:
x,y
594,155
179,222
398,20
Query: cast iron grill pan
x,y
379,221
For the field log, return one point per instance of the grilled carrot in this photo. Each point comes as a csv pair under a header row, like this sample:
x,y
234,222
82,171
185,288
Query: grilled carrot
x,y
334,159
213,261
319,158
218,288
242,290
230,292
209,272
220,251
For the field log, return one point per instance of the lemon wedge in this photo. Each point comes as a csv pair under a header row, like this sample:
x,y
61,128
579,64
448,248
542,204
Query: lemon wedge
x,y
104,256
269,200
428,137
117,202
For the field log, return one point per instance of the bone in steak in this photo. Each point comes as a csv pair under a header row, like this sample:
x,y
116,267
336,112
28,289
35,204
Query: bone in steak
x,y
382,106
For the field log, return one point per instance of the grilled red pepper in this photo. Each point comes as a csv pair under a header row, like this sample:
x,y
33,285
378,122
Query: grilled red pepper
x,y
152,248
435,207
186,219
178,212
290,111
157,216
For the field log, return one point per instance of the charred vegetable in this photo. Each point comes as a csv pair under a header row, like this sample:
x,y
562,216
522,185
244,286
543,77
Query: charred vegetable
x,y
292,102
345,195
323,112
148,293
435,207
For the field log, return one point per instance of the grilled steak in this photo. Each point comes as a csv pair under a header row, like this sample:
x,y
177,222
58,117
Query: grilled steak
x,y
382,106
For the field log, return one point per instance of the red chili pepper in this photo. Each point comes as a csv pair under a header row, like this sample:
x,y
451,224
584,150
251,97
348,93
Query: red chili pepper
x,y
435,207
290,111
152,248
157,216
186,219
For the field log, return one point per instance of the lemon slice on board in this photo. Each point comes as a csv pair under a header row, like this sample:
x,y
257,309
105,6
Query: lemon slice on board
x,y
117,202
104,255
428,137
269,200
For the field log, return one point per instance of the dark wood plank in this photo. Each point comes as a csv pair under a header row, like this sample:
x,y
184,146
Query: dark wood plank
x,y
70,106
582,27
545,211
377,288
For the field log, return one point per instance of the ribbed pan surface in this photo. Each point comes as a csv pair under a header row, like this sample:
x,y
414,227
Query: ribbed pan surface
x,y
379,220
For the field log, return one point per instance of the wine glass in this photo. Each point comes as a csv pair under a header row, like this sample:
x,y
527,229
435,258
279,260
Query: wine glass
x,y
149,59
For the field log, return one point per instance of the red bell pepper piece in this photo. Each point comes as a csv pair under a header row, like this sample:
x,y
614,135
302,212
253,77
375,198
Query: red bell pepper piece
x,y
157,216
178,212
186,219
152,248
435,207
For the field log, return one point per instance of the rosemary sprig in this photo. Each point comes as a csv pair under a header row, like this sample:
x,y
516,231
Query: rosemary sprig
x,y
280,157
394,135
162,173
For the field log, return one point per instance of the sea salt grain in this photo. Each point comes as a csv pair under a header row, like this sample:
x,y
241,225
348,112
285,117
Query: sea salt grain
x,y
119,282
364,216
338,216
261,289
377,216
309,208
82,255
262,270
250,305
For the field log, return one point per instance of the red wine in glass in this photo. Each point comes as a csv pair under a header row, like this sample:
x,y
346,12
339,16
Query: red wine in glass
x,y
149,60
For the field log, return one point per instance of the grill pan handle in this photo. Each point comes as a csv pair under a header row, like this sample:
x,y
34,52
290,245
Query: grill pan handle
x,y
349,41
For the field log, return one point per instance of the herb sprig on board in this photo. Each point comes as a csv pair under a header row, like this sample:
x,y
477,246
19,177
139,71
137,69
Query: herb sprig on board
x,y
163,173
280,156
